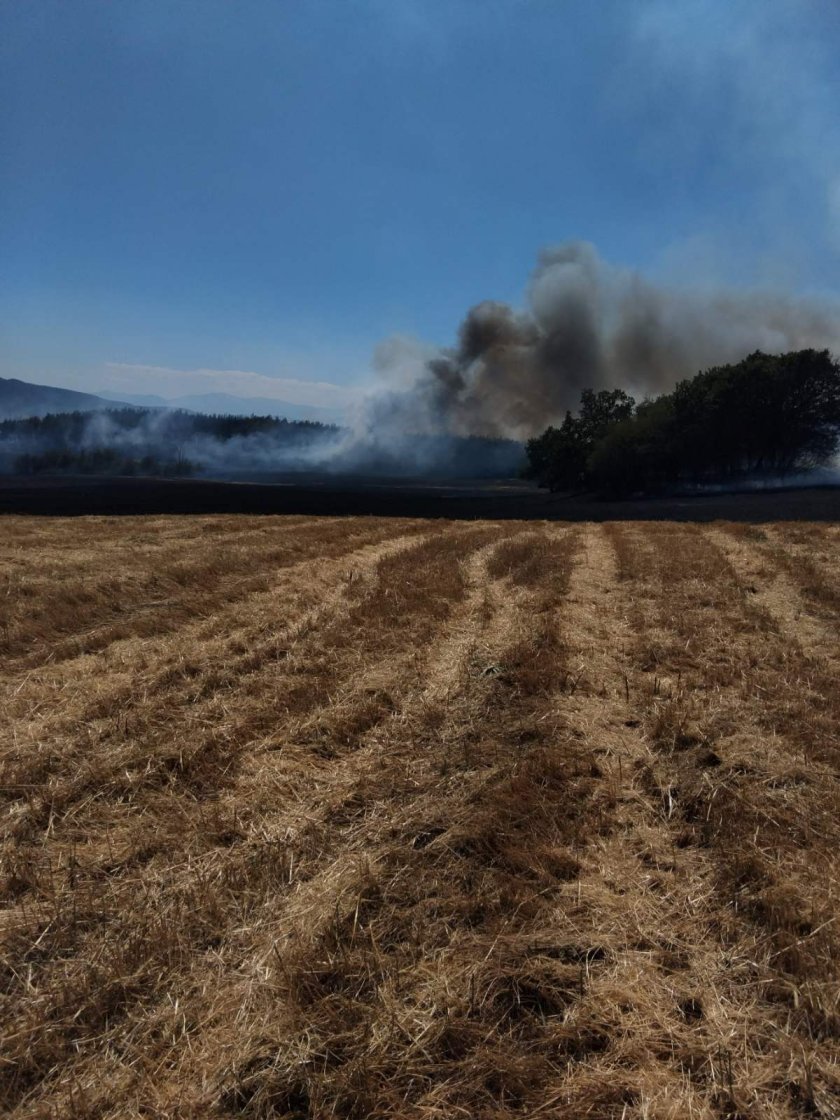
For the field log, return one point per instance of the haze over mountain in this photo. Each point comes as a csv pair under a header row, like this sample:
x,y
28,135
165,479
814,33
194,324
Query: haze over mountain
x,y
231,405
22,398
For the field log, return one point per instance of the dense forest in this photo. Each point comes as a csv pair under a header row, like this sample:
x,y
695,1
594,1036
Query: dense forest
x,y
102,460
766,416
136,441
71,428
129,441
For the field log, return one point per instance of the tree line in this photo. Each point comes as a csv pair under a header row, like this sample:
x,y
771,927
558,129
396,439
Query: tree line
x,y
768,415
103,460
69,428
136,441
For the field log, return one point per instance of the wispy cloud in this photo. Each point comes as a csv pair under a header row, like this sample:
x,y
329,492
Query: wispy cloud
x,y
169,383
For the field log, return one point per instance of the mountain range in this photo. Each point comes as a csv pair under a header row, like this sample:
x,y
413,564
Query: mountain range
x,y
228,404
23,398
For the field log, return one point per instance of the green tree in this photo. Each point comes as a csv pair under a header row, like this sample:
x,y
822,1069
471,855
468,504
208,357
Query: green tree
x,y
765,415
557,459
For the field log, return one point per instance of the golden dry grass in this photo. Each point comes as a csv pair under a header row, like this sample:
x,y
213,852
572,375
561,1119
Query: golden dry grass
x,y
361,818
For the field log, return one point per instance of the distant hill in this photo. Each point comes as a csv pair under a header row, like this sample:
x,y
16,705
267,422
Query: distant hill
x,y
229,405
21,398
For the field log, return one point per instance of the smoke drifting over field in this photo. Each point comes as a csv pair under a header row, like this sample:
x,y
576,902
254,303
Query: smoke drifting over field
x,y
462,411
588,324
145,442
140,441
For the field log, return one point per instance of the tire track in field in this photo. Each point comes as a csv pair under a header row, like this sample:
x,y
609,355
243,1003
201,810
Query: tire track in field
x,y
142,757
235,638
810,555
387,755
420,679
481,627
103,689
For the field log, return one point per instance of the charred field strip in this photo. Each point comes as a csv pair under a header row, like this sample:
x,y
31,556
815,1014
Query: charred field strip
x,y
379,817
321,494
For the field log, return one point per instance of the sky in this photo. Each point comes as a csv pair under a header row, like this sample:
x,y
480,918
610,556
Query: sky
x,y
250,196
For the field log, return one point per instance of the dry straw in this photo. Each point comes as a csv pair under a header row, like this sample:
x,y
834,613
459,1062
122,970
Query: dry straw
x,y
361,818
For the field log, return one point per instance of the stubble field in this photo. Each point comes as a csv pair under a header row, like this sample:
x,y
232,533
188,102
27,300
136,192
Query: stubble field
x,y
366,817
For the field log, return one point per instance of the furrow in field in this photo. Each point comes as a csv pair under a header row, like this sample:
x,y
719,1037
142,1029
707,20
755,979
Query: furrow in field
x,y
389,754
103,727
642,894
339,745
638,899
804,561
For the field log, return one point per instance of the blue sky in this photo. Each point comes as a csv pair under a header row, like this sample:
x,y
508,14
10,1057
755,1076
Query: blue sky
x,y
246,195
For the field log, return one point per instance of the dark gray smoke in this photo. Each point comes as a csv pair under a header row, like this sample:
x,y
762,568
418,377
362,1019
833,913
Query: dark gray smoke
x,y
459,412
588,324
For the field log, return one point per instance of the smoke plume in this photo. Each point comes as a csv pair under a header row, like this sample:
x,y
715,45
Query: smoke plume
x,y
461,412
588,324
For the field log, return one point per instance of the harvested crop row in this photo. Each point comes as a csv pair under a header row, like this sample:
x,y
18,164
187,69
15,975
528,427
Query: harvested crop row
x,y
139,797
80,599
426,819
742,725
